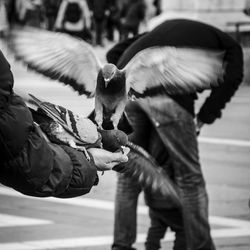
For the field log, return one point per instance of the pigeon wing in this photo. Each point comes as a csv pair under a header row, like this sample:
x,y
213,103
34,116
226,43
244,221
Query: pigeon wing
x,y
146,172
173,70
83,130
58,56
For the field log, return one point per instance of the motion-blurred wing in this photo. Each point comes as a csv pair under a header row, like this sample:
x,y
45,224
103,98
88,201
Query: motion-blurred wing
x,y
173,70
58,56
146,172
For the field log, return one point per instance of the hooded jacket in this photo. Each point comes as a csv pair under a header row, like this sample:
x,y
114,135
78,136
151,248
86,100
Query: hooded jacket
x,y
30,164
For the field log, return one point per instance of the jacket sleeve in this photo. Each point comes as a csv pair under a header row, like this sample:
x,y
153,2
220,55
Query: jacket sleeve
x,y
28,162
6,81
44,169
212,107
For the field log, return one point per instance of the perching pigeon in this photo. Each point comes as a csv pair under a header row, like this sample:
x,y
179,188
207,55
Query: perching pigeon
x,y
62,126
72,61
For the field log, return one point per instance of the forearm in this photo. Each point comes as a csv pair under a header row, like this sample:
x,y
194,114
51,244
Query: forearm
x,y
44,169
70,173
221,95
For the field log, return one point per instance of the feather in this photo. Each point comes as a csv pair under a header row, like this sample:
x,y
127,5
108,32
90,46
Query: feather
x,y
152,71
58,56
173,70
79,129
149,174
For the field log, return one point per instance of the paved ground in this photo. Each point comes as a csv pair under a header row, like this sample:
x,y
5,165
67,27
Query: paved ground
x,y
28,223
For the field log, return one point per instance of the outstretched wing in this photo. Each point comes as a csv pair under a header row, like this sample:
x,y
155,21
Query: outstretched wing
x,y
58,56
148,173
173,70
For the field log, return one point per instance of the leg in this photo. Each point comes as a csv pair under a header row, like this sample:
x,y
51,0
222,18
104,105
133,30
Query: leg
x,y
162,208
99,24
127,194
177,132
127,191
156,231
115,118
173,218
98,113
110,29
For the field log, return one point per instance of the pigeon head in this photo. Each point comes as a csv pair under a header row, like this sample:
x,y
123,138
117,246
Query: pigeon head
x,y
111,80
108,72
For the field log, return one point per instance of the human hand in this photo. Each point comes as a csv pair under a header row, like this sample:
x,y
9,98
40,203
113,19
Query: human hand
x,y
106,160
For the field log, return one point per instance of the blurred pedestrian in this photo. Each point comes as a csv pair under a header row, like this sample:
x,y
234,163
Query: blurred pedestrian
x,y
31,12
158,6
11,11
4,22
74,18
151,11
113,20
30,163
51,10
132,16
100,9
172,118
246,9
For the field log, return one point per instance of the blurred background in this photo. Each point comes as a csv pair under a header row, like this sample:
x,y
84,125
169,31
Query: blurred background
x,y
101,22
28,223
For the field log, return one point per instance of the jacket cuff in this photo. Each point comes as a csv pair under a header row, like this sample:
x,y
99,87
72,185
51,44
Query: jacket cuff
x,y
84,174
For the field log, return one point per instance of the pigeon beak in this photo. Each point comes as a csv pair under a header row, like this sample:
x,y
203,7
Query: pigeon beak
x,y
106,82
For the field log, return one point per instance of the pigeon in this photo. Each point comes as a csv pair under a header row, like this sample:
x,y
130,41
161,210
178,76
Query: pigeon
x,y
62,126
158,70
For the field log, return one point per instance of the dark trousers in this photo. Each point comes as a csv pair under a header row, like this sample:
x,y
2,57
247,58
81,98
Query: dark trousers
x,y
161,220
127,191
177,130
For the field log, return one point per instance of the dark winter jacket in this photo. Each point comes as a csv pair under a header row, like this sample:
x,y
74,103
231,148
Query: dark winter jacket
x,y
28,163
187,33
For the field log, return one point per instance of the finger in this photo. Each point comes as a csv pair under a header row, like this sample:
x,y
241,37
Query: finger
x,y
119,157
108,166
125,150
113,164
105,167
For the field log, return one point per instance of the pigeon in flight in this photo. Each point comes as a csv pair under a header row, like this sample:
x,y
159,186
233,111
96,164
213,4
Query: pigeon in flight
x,y
152,71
